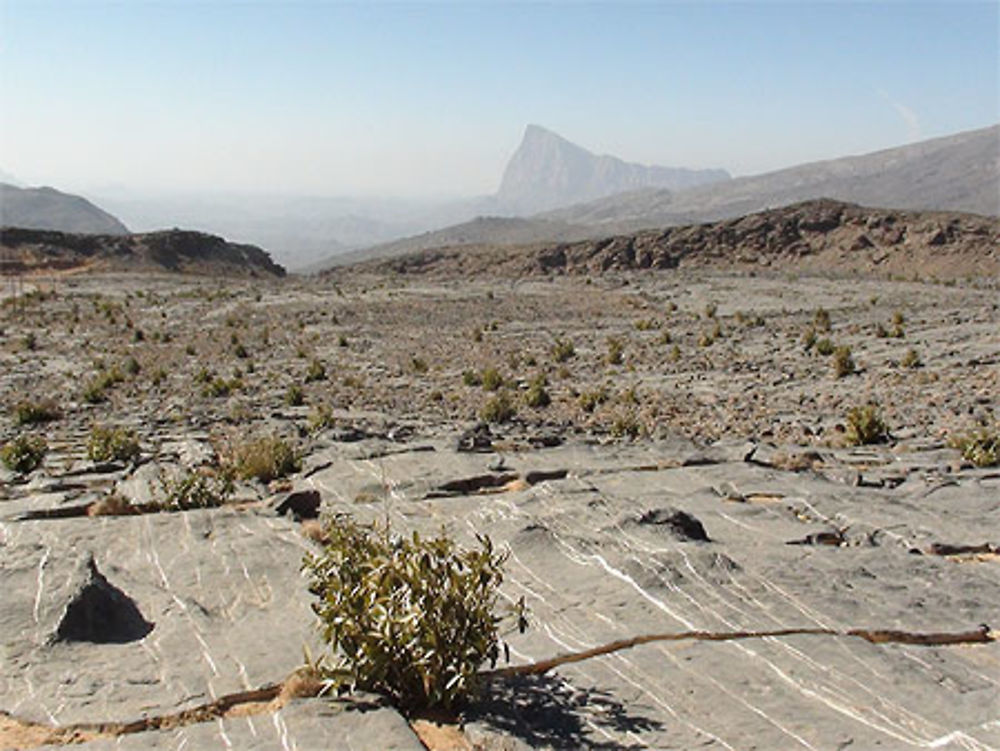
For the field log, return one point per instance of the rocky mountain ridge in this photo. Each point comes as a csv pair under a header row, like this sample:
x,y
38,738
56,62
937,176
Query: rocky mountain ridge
x,y
821,235
48,208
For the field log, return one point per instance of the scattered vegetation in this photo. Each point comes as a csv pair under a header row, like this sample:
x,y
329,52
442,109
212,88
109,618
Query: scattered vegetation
x,y
295,396
536,395
843,362
408,617
911,359
981,447
498,408
197,490
563,350
30,412
112,444
865,426
265,459
491,379
24,453
616,351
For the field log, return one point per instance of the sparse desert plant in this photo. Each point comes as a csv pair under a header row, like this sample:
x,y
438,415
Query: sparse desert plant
x,y
266,458
615,351
30,341
34,412
131,366
295,396
537,396
220,387
911,359
112,444
563,350
626,426
590,400
809,338
320,418
865,426
418,365
498,408
408,617
711,309
24,453
196,489
821,319
471,378
491,379
843,362
96,390
981,447
824,347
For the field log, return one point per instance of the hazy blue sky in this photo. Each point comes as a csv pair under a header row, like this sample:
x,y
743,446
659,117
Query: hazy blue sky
x,y
432,98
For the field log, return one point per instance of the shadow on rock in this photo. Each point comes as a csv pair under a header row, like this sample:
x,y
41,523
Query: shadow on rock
x,y
543,711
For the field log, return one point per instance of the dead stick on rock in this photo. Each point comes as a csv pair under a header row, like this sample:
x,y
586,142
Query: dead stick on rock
x,y
875,636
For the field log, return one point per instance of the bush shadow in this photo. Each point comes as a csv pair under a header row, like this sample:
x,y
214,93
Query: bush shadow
x,y
546,711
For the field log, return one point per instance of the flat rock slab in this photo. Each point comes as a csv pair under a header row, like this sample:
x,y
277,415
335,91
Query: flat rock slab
x,y
221,587
303,724
593,571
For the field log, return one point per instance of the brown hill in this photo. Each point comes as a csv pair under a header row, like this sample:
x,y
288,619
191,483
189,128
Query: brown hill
x,y
821,235
31,250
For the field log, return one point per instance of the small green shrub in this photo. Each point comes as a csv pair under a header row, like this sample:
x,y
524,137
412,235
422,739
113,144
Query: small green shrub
x,y
320,418
471,378
112,444
419,365
295,396
537,396
824,347
408,617
491,379
35,412
197,490
821,319
911,359
626,426
865,426
982,447
809,339
499,408
265,459
843,362
616,351
563,350
24,453
590,400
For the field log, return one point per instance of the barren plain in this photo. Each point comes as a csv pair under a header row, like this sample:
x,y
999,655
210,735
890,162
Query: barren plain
x,y
579,421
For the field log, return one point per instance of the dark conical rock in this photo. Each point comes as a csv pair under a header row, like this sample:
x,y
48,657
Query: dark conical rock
x,y
101,613
682,524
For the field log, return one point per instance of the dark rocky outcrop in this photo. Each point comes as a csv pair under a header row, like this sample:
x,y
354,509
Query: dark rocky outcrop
x,y
820,235
169,250
681,524
101,613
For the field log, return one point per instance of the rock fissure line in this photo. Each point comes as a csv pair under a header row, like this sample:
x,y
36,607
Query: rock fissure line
x,y
274,696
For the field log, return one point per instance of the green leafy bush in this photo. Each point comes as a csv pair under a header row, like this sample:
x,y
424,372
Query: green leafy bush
x,y
407,617
112,444
24,453
866,426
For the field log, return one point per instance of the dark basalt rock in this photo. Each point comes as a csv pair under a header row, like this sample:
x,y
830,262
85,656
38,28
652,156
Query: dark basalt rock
x,y
477,438
101,613
302,504
683,525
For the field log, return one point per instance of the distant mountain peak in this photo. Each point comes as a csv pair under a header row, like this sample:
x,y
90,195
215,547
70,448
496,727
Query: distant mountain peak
x,y
548,171
48,208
